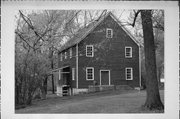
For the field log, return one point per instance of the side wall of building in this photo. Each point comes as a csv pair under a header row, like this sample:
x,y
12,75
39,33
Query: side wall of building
x,y
71,62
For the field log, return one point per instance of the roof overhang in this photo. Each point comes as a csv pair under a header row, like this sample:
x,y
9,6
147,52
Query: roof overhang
x,y
98,22
57,69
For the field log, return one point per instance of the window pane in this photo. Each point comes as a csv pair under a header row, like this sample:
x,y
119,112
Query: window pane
x,y
129,73
73,73
70,53
109,33
128,52
89,51
89,74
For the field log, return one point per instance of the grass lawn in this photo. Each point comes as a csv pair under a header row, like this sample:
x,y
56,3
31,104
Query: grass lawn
x,y
100,102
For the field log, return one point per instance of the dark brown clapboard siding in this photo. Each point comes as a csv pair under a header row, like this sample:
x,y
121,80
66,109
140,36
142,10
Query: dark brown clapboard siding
x,y
108,55
113,60
69,62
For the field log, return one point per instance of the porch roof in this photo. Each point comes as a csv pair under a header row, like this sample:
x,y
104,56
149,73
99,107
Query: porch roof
x,y
57,69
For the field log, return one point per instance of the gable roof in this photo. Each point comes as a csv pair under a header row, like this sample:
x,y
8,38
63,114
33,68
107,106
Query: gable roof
x,y
82,33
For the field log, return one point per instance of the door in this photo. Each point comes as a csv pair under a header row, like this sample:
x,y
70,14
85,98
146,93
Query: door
x,y
104,77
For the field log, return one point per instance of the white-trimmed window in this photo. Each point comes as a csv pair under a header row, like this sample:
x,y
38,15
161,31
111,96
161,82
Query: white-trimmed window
x,y
65,55
89,73
61,57
70,53
129,73
109,33
128,52
73,73
89,51
59,74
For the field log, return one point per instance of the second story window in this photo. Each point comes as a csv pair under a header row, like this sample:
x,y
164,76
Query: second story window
x,y
61,57
128,52
89,51
70,53
65,55
109,33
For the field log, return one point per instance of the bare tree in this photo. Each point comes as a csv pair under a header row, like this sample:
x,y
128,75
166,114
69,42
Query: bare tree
x,y
36,32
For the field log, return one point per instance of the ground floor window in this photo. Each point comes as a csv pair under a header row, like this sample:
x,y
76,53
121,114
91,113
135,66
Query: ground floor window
x,y
73,73
89,73
129,73
59,74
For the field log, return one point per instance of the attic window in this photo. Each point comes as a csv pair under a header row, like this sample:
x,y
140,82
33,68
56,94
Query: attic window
x,y
109,33
89,51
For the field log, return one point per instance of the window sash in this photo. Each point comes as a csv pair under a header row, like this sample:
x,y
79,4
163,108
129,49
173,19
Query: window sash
x,y
109,33
73,73
129,74
70,53
65,55
61,57
89,73
89,51
128,52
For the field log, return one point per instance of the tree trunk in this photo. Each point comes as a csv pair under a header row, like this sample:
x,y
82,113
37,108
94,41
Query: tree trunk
x,y
153,100
45,84
52,77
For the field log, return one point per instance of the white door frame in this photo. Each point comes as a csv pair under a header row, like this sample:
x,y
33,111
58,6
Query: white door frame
x,y
109,76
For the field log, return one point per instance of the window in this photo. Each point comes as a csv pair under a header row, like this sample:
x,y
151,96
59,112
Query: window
x,y
70,53
129,74
109,33
61,57
128,52
73,73
59,74
89,51
89,73
65,55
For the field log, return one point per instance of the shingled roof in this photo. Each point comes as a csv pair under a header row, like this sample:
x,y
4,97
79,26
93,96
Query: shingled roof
x,y
82,33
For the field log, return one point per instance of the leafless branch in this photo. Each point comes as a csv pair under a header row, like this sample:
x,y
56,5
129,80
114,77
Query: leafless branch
x,y
121,14
103,13
28,21
19,34
135,17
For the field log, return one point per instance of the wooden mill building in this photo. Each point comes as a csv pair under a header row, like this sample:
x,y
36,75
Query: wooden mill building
x,y
104,53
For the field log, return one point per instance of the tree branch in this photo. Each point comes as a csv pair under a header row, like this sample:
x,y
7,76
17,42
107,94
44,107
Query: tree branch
x,y
135,17
24,40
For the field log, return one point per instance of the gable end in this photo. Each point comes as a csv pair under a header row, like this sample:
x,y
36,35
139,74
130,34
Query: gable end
x,y
126,31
